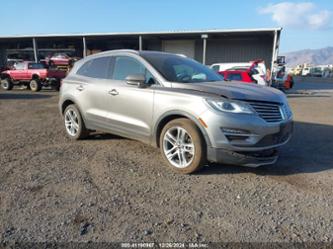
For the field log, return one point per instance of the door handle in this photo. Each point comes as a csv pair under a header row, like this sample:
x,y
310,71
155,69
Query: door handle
x,y
80,88
113,92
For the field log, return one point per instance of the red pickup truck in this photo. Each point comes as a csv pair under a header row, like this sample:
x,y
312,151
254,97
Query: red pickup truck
x,y
33,75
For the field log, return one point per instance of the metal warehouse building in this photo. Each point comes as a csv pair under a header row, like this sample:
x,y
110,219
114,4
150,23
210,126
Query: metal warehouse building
x,y
206,46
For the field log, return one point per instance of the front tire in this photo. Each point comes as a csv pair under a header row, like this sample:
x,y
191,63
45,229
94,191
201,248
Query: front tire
x,y
7,84
74,124
35,85
182,146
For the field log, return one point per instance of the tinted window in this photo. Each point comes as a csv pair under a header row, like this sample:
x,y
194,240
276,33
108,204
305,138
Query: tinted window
x,y
96,68
35,66
179,69
149,77
239,68
125,66
216,68
234,76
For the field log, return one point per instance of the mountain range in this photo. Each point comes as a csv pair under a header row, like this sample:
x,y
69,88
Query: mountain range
x,y
320,56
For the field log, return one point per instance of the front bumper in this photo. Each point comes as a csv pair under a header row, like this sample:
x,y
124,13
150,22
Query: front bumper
x,y
257,159
257,146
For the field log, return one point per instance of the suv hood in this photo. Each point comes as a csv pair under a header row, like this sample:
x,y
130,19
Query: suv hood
x,y
236,90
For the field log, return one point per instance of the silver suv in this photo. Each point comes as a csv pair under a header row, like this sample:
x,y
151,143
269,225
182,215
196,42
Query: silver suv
x,y
178,105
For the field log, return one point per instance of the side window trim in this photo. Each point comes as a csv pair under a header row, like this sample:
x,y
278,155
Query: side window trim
x,y
112,62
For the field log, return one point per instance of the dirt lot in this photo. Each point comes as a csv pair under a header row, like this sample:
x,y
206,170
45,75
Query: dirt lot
x,y
108,188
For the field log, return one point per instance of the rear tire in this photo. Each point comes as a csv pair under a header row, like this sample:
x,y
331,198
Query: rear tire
x,y
35,85
182,146
74,124
7,84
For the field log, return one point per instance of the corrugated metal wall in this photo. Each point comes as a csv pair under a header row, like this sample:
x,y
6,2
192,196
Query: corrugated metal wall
x,y
238,50
221,47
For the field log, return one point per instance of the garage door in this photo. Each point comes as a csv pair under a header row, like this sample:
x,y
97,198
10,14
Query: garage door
x,y
185,47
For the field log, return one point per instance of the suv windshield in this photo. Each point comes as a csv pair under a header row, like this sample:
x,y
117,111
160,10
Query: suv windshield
x,y
180,69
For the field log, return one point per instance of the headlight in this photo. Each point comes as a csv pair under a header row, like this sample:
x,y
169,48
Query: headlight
x,y
229,106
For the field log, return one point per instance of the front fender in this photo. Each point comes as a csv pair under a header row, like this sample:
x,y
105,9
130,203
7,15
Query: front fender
x,y
4,75
194,119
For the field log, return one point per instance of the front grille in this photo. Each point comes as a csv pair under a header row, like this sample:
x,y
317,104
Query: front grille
x,y
270,112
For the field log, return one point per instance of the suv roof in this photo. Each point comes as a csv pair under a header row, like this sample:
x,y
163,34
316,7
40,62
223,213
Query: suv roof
x,y
132,51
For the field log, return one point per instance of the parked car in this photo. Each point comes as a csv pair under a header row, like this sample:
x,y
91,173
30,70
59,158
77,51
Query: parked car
x,y
59,59
316,71
238,75
281,79
178,105
283,83
218,67
249,72
33,75
306,71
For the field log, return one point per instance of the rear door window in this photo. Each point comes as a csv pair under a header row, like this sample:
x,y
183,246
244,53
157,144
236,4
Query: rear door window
x,y
99,68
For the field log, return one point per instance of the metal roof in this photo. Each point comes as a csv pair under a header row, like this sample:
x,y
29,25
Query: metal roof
x,y
175,32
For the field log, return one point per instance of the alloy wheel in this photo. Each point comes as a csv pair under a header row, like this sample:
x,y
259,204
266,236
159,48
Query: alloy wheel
x,y
71,122
178,147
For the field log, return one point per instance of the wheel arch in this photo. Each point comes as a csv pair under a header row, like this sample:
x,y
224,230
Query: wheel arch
x,y
69,101
66,103
35,76
4,76
171,115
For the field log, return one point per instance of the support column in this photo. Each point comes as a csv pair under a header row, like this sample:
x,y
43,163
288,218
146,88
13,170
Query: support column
x,y
35,48
84,46
3,56
140,43
274,54
204,46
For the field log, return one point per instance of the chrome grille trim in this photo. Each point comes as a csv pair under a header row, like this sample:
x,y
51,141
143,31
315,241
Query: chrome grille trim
x,y
270,112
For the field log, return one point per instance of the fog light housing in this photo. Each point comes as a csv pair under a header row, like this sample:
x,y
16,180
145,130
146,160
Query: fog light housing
x,y
232,131
235,134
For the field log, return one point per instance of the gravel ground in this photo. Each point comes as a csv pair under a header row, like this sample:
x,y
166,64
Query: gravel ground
x,y
108,188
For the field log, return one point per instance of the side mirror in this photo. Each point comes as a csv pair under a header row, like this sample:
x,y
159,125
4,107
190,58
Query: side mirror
x,y
136,80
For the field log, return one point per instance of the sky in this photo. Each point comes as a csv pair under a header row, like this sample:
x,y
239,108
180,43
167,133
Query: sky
x,y
306,24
